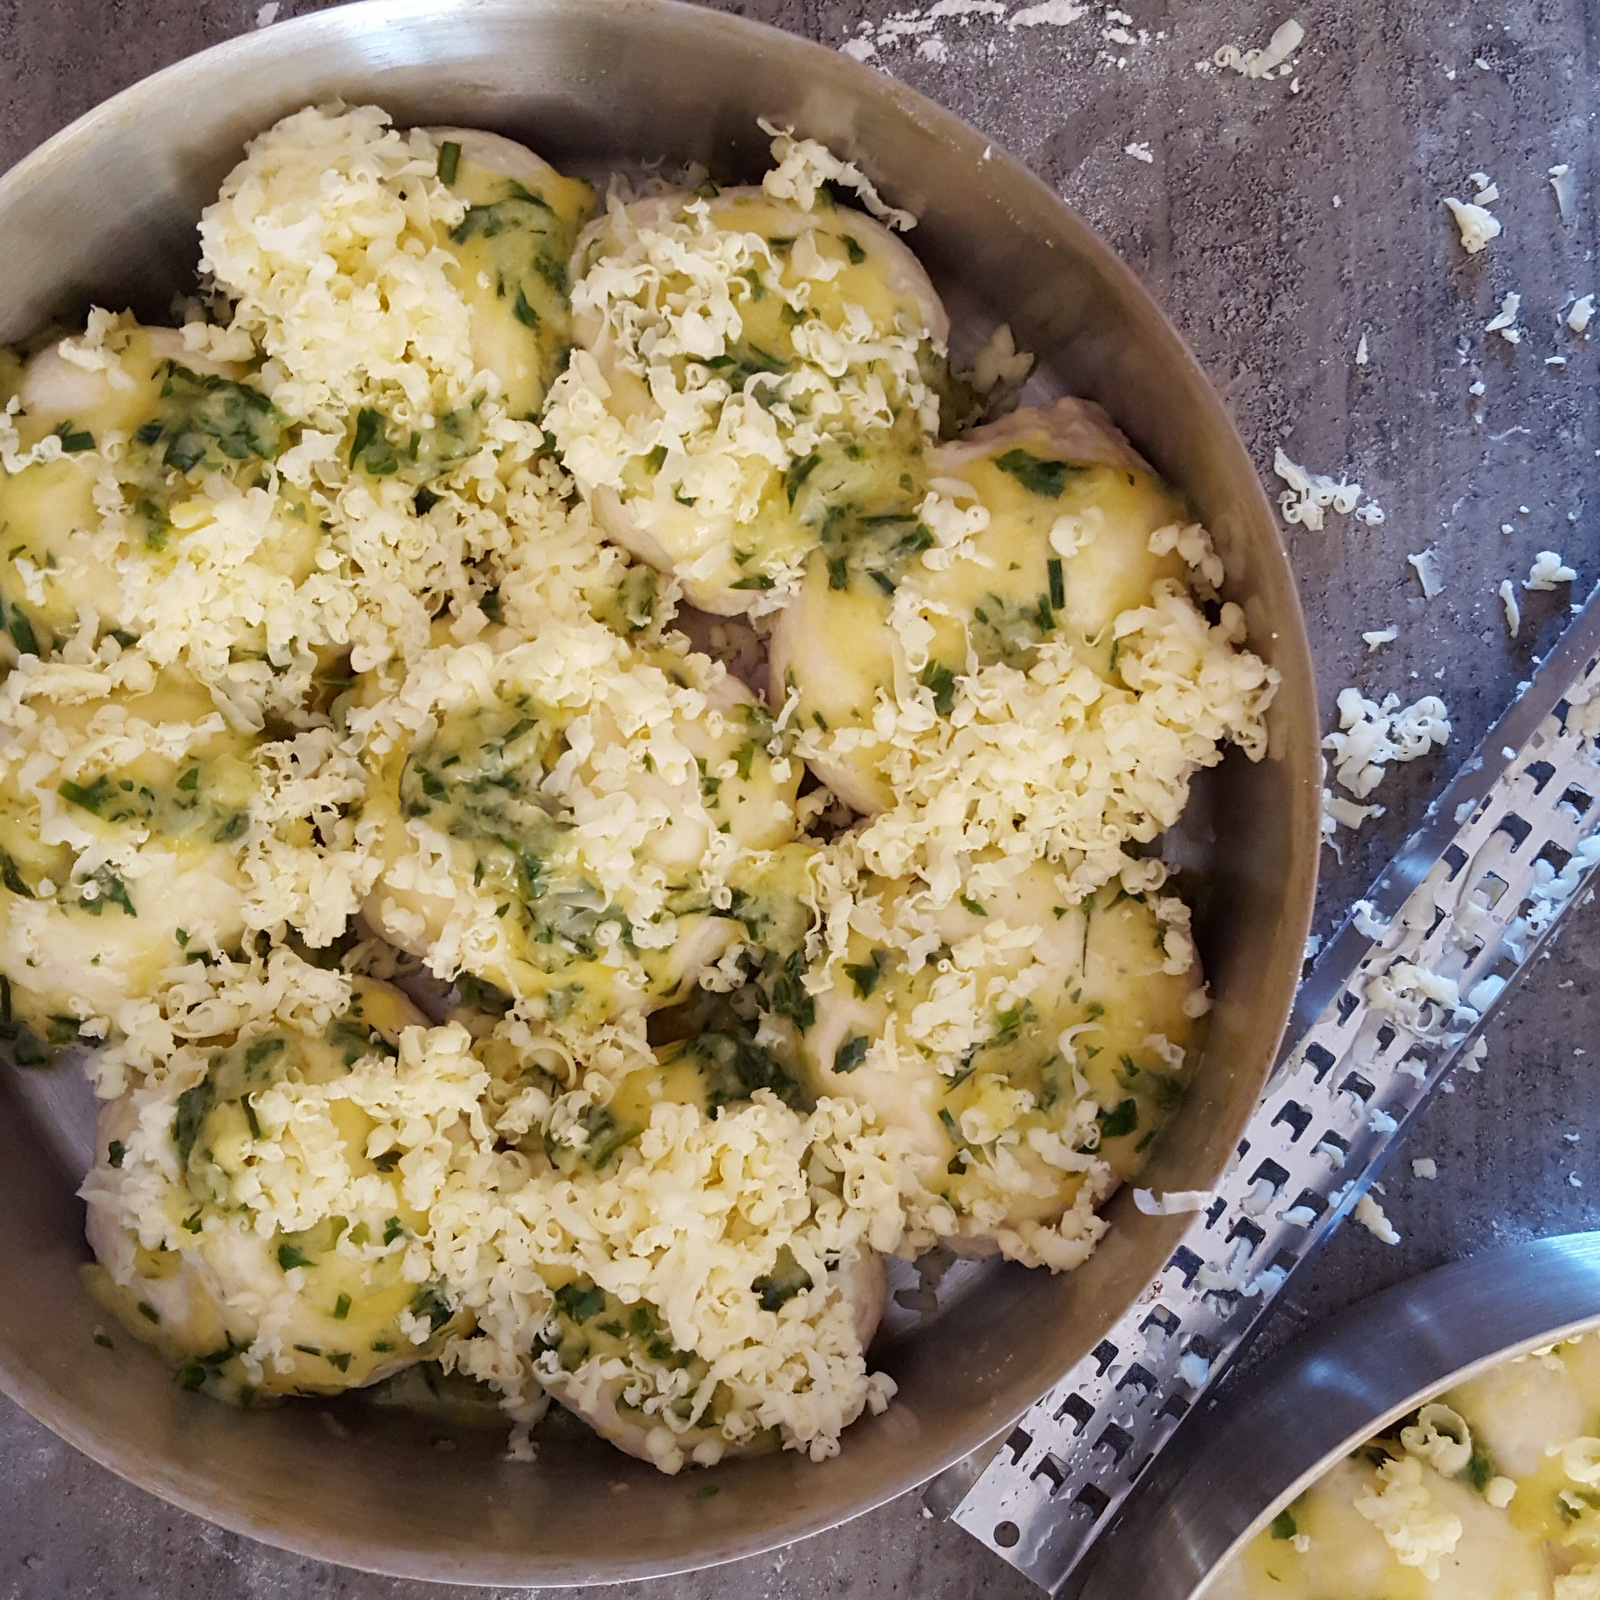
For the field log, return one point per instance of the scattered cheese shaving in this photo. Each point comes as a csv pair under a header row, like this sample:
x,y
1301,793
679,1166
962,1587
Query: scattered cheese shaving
x,y
1371,735
1504,320
1428,573
1311,493
1286,39
1175,1202
1381,636
1478,226
1548,570
1561,183
1508,598
1370,1215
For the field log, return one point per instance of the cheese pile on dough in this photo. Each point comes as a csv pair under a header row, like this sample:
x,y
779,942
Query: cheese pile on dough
x,y
486,959
1487,1493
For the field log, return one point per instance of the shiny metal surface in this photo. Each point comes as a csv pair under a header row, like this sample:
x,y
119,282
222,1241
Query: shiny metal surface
x,y
1458,901
1236,1465
105,212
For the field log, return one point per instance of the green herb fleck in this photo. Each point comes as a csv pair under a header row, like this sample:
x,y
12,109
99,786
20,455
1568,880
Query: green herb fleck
x,y
1122,1119
1035,474
851,1053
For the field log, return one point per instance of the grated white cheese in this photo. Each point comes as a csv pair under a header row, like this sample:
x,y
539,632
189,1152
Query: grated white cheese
x,y
1548,571
804,165
1562,185
1581,314
1504,320
1478,226
1426,565
1381,636
1139,152
1175,1202
1311,493
1371,735
1425,1167
1262,63
1508,598
1370,1215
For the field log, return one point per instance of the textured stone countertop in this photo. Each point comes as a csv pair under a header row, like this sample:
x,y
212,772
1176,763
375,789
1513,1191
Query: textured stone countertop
x,y
1278,221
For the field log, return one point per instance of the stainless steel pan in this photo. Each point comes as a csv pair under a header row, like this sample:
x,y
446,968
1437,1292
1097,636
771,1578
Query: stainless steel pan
x,y
105,212
1273,1433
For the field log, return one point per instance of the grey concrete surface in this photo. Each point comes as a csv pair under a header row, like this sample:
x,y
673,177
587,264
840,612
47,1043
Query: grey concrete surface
x,y
1276,227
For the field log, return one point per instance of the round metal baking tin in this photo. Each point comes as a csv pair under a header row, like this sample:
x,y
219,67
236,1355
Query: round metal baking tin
x,y
104,213
1245,1454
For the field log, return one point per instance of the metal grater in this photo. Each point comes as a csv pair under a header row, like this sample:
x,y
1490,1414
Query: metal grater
x,y
1470,899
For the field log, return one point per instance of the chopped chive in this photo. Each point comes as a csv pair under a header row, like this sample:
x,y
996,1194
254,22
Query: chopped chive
x,y
449,161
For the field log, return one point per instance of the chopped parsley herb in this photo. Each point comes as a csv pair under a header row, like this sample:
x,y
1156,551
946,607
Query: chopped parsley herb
x,y
21,631
1283,1525
429,1302
853,250
1122,1119
865,976
851,1053
1035,474
787,1279
193,1104
942,681
522,311
291,1256
73,438
789,997
974,906
799,472
231,828
580,1301
149,1312
115,1151
90,797
368,430
392,1230
11,876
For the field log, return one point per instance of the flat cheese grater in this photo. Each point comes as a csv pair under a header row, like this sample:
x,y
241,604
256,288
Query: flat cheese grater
x,y
1395,999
